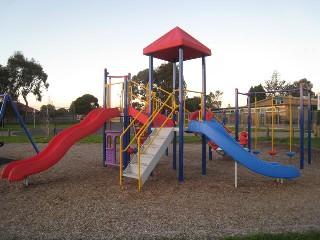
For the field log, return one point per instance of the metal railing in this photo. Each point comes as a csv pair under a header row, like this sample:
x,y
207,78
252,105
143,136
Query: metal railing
x,y
143,129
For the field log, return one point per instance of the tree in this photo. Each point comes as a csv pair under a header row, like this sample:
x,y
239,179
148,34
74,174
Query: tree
x,y
306,85
84,104
262,93
193,104
275,84
162,78
61,112
48,110
25,77
4,80
213,99
139,91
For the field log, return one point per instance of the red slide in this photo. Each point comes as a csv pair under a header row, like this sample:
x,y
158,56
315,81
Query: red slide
x,y
195,115
159,119
58,146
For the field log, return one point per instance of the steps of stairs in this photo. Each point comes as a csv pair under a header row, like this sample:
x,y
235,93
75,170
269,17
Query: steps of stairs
x,y
151,156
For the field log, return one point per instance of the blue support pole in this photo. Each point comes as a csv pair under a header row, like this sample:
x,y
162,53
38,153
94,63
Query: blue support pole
x,y
125,122
150,88
3,106
174,87
309,128
104,139
249,122
204,138
301,128
22,122
236,116
181,114
210,153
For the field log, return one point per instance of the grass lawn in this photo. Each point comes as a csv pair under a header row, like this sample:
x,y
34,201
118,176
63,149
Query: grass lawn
x,y
315,142
18,127
97,138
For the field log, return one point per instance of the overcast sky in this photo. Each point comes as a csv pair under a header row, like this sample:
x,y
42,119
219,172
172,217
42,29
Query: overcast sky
x,y
75,40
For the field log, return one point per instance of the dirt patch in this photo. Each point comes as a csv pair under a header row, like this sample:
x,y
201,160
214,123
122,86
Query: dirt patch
x,y
78,198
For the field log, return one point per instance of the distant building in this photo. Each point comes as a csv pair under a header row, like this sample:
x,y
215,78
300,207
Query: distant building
x,y
10,116
30,110
280,110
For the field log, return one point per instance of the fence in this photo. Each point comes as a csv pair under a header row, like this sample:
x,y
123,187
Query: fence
x,y
39,119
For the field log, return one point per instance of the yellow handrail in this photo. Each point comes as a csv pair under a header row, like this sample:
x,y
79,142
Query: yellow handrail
x,y
147,146
142,131
152,118
158,102
162,90
145,87
127,147
139,84
193,91
110,84
137,136
140,99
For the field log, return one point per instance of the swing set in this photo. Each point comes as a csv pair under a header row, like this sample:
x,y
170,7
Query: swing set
x,y
4,99
273,151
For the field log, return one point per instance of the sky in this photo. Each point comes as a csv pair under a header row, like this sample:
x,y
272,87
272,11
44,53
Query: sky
x,y
75,40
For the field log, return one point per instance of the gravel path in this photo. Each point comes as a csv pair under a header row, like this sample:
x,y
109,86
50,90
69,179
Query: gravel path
x,y
80,199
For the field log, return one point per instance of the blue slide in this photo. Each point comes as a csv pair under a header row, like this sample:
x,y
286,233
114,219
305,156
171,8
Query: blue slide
x,y
216,133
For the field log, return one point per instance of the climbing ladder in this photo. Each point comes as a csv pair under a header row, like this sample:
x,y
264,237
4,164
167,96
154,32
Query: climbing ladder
x,y
149,155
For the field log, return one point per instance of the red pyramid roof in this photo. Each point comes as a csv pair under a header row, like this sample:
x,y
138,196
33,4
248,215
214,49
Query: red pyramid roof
x,y
167,46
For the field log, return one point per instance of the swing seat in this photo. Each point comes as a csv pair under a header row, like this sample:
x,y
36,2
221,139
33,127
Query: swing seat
x,y
290,154
256,151
272,152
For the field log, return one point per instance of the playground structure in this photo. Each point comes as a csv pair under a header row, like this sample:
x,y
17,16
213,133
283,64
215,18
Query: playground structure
x,y
301,121
140,153
174,45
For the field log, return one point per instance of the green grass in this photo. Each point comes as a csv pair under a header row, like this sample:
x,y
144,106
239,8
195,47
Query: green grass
x,y
25,139
280,236
18,127
98,139
315,142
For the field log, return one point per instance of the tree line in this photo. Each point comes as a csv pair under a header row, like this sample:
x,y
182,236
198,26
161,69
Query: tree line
x,y
275,83
22,77
81,106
